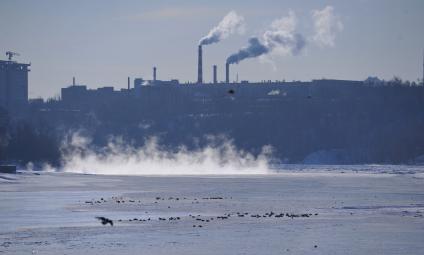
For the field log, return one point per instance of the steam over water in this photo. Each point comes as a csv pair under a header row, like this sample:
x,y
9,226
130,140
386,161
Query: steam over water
x,y
119,158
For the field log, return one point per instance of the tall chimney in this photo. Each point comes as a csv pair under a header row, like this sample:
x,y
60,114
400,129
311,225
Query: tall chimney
x,y
227,72
214,75
128,83
154,74
73,81
199,66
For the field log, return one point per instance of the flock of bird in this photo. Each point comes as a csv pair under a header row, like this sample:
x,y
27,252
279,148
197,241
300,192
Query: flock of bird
x,y
199,219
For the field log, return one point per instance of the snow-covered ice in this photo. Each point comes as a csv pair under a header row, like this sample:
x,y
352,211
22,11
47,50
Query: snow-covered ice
x,y
345,209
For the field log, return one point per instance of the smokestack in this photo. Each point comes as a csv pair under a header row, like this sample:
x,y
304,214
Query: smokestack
x,y
73,81
227,72
199,66
128,83
154,74
214,75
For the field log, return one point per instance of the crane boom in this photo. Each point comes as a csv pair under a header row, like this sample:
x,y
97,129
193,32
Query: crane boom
x,y
10,54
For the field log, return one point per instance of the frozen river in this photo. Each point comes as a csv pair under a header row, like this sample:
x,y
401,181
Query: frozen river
x,y
300,210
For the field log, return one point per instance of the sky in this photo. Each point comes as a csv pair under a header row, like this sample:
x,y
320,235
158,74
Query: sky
x,y
102,42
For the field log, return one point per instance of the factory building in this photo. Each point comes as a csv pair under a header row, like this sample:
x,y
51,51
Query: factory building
x,y
13,86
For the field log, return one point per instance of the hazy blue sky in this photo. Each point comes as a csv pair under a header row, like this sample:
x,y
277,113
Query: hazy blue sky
x,y
103,42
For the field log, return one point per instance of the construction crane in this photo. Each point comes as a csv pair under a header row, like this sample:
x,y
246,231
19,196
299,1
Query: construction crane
x,y
10,54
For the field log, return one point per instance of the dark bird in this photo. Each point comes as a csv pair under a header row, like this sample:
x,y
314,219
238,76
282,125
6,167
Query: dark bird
x,y
105,220
231,91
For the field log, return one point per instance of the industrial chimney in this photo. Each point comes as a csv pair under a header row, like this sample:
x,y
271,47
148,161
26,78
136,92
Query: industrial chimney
x,y
227,72
199,66
128,83
214,75
73,81
154,74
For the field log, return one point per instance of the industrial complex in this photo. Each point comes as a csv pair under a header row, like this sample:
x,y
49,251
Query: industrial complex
x,y
14,87
200,90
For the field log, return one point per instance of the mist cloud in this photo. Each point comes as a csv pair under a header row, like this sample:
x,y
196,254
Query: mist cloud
x,y
282,38
230,24
120,158
326,25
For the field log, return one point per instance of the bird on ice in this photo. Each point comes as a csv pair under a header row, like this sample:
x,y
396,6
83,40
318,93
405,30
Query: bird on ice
x,y
105,220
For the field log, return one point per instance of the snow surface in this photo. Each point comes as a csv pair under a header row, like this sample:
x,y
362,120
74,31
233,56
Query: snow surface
x,y
351,210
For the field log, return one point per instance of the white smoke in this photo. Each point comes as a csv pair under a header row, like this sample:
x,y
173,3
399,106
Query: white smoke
x,y
282,38
120,158
230,24
326,25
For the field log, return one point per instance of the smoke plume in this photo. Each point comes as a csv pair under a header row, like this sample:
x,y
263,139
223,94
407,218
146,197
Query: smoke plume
x,y
254,49
281,38
120,158
230,24
326,25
